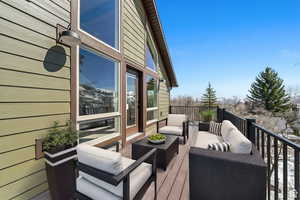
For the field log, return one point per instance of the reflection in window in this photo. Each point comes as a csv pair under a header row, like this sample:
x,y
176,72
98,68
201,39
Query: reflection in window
x,y
151,92
97,131
152,115
100,18
150,57
98,84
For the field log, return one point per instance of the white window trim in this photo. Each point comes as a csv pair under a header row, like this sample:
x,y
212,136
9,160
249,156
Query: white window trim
x,y
152,108
101,115
97,39
151,121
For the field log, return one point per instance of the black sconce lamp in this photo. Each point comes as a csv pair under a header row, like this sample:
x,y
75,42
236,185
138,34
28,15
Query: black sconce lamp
x,y
69,37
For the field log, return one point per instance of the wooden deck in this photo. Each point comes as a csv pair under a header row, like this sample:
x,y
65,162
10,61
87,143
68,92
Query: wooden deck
x,y
173,183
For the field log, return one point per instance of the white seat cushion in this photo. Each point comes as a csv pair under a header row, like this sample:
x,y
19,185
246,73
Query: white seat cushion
x,y
171,130
205,138
93,191
176,119
238,142
137,179
98,158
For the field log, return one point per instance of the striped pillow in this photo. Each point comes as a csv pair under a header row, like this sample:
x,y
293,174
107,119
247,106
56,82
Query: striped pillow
x,y
215,128
221,146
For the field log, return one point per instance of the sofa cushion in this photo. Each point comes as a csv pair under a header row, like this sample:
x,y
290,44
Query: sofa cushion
x,y
176,119
226,127
220,146
137,179
171,130
101,159
238,142
204,138
215,128
93,191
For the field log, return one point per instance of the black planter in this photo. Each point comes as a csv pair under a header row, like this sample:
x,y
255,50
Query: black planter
x,y
60,168
203,126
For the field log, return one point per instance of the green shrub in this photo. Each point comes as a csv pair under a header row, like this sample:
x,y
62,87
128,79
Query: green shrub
x,y
207,115
60,137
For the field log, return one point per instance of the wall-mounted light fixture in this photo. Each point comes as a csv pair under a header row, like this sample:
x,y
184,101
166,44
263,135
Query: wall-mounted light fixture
x,y
67,36
160,81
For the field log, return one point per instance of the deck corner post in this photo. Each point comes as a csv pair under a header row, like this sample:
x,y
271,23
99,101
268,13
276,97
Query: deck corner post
x,y
220,114
251,130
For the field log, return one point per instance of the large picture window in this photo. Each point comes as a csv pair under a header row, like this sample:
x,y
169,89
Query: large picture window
x,y
152,88
100,18
151,57
98,84
97,131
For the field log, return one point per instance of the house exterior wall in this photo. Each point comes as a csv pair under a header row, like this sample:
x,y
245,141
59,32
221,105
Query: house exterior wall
x,y
35,84
135,28
33,94
134,31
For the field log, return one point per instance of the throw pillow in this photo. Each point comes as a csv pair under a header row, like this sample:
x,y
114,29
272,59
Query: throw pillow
x,y
215,128
221,146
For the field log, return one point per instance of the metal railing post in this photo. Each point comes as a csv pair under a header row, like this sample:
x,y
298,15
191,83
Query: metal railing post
x,y
251,130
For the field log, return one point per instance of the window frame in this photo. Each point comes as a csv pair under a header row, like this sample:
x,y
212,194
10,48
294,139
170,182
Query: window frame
x,y
101,115
150,40
155,108
98,39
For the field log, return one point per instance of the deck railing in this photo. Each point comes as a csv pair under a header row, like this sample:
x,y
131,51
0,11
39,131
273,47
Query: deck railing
x,y
193,112
280,154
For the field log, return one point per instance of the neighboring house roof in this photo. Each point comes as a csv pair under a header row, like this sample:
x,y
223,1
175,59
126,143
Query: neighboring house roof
x,y
153,17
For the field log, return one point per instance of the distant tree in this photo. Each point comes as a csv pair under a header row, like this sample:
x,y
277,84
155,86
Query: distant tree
x,y
209,99
269,92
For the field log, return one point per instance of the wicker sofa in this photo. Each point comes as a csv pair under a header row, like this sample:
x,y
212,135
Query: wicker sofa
x,y
238,174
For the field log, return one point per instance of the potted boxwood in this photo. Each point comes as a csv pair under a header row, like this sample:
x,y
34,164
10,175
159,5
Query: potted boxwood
x,y
206,117
60,151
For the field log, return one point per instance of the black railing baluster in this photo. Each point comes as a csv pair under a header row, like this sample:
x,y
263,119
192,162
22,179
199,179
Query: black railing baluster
x,y
275,168
296,175
269,166
258,140
262,133
285,173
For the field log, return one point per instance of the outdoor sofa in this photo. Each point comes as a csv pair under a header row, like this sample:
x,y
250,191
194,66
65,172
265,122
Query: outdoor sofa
x,y
176,124
239,174
105,174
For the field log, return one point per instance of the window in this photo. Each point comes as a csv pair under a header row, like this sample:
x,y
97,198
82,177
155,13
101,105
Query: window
x,y
100,18
152,108
96,131
98,84
151,56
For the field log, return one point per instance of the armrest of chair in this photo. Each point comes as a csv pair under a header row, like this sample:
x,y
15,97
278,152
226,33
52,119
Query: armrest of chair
x,y
116,179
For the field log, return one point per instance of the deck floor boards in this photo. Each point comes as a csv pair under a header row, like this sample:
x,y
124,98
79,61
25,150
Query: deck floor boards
x,y
172,184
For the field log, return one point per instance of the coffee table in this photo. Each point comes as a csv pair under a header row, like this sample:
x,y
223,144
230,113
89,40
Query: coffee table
x,y
165,151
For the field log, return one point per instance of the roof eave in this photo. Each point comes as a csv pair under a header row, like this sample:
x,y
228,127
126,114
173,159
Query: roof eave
x,y
151,10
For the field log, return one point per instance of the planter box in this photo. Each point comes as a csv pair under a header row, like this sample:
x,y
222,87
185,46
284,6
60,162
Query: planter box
x,y
203,126
61,174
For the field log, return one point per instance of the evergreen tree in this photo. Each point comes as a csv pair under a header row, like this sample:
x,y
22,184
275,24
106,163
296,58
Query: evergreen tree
x,y
269,92
209,98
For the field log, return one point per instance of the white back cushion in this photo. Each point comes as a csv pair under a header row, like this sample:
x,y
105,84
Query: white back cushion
x,y
226,127
238,142
176,119
98,158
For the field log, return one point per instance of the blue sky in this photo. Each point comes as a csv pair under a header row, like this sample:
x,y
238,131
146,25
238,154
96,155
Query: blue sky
x,y
229,42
